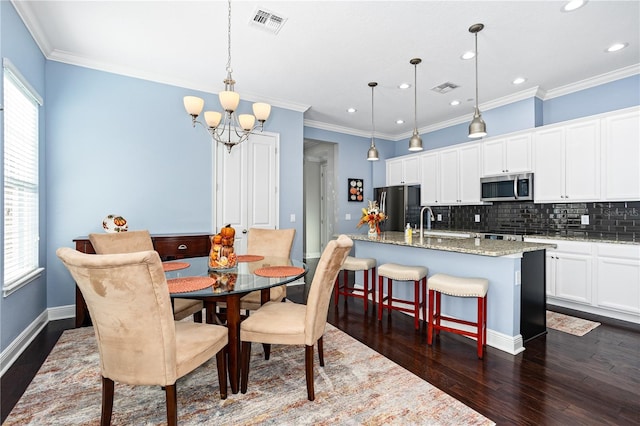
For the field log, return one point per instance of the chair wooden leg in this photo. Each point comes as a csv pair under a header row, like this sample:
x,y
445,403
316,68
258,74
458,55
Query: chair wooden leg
x,y
480,332
336,290
245,355
221,364
380,301
308,366
107,401
267,350
197,316
430,324
172,404
321,351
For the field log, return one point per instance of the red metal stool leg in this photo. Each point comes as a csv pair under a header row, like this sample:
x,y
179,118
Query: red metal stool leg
x,y
380,301
430,323
365,291
416,304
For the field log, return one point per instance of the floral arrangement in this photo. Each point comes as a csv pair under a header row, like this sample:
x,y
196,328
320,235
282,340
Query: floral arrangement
x,y
371,216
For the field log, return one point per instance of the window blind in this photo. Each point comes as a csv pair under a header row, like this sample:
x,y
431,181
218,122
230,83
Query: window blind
x,y
21,188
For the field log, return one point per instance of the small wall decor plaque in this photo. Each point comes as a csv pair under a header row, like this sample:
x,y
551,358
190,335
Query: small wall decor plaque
x,y
356,187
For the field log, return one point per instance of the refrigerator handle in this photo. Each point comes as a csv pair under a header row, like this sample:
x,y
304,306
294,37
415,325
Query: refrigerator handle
x,y
383,202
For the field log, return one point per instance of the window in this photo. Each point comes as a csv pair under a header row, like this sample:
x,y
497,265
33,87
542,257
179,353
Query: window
x,y
21,189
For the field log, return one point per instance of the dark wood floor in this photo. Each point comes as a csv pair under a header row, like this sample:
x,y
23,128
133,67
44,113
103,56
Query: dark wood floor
x,y
559,379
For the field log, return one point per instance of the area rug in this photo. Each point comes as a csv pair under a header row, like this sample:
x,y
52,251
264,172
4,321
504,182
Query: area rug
x,y
568,324
356,386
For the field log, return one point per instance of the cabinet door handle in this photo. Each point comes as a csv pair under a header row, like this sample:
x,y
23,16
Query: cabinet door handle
x,y
182,247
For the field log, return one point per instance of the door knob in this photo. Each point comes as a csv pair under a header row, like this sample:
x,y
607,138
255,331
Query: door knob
x,y
244,231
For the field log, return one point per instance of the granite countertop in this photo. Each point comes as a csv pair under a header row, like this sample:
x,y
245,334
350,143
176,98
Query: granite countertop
x,y
477,246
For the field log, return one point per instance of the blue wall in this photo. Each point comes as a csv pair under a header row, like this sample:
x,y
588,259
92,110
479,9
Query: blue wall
x,y
20,309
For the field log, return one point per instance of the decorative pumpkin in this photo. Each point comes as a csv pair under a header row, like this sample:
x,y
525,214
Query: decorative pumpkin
x,y
228,232
227,242
217,239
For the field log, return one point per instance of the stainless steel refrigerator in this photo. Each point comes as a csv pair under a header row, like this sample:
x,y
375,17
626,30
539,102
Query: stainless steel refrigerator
x,y
401,205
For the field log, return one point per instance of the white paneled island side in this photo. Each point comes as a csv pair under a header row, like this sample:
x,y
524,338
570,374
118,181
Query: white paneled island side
x,y
516,300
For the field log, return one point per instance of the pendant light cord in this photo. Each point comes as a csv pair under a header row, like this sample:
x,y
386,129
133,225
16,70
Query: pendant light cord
x,y
476,34
415,96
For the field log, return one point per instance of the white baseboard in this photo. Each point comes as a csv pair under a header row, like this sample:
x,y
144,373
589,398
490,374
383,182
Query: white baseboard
x,y
20,343
15,348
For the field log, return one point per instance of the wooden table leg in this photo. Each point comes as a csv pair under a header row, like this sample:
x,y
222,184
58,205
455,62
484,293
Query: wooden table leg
x,y
233,348
265,295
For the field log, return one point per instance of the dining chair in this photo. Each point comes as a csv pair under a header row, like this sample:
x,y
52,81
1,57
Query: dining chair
x,y
296,324
135,349
133,241
268,242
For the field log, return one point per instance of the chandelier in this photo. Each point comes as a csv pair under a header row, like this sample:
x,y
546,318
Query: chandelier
x,y
223,126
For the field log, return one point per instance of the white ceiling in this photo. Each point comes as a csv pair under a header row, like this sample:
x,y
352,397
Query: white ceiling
x,y
328,51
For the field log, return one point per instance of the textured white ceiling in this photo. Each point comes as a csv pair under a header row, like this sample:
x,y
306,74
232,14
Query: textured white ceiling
x,y
327,52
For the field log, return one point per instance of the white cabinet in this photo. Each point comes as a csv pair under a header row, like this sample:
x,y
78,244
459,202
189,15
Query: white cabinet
x,y
567,160
600,278
507,155
620,157
430,183
451,176
618,277
570,272
403,171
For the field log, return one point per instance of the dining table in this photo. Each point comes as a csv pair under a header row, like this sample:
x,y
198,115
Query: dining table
x,y
192,278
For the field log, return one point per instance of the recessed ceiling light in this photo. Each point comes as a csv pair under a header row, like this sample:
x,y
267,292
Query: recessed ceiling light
x,y
468,55
519,80
351,110
572,5
404,86
615,47
454,102
399,121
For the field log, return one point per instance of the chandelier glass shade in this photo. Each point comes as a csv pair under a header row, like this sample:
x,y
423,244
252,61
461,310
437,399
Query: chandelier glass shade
x,y
228,127
477,127
415,143
372,153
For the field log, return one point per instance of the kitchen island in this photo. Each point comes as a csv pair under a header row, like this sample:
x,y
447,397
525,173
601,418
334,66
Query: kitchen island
x,y
516,299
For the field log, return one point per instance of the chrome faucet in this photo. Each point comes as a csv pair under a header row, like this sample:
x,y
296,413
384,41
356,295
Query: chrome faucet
x,y
429,219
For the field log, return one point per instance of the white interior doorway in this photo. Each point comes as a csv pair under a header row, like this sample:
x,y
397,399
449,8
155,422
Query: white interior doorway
x,y
319,196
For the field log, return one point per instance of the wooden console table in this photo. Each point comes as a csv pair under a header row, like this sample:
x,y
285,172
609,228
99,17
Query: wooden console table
x,y
168,246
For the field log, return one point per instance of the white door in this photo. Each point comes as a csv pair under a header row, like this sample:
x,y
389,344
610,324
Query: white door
x,y
247,186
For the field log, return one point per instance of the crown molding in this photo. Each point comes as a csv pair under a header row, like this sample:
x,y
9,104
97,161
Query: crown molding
x,y
346,130
592,82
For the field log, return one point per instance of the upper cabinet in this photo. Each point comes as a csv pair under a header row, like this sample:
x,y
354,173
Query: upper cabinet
x,y
507,155
567,162
620,155
451,176
403,171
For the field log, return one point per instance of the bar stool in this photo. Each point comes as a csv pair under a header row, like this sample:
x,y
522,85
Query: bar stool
x,y
440,284
417,274
365,264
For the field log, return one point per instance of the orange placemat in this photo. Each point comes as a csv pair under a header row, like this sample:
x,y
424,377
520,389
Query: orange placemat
x,y
279,271
174,266
183,285
249,257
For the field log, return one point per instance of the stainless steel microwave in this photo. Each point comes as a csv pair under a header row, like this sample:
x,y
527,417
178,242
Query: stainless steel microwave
x,y
517,187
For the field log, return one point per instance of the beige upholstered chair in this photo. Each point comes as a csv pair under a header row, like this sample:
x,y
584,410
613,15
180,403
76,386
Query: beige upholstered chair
x,y
131,242
149,349
268,243
293,323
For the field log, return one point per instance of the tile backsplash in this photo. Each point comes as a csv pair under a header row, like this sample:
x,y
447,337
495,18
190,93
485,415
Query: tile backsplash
x,y
615,221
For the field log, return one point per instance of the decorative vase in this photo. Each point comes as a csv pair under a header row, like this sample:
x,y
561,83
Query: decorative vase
x,y
373,230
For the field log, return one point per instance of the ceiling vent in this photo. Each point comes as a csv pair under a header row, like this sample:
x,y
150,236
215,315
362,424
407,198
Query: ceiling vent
x,y
445,87
267,20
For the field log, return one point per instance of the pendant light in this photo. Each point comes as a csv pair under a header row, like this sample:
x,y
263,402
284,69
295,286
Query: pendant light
x,y
415,143
372,154
477,127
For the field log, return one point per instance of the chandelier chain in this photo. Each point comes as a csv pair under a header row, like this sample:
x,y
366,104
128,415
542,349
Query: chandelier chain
x,y
229,38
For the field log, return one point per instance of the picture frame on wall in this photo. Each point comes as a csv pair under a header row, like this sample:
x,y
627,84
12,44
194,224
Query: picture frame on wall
x,y
355,190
